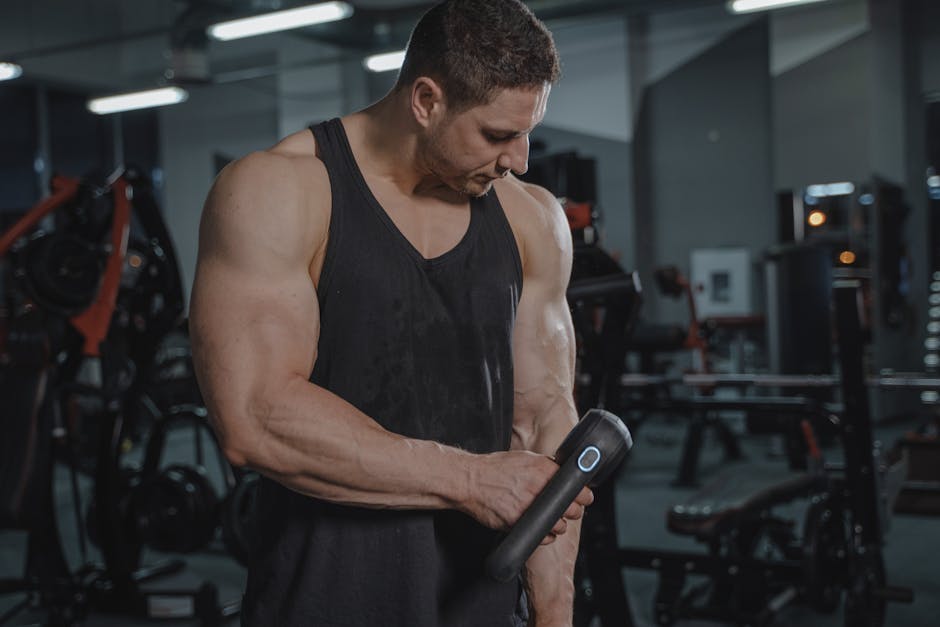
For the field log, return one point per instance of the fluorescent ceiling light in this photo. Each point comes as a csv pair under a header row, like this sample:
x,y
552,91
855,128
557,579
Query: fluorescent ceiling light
x,y
9,71
137,100
747,6
280,20
832,189
385,62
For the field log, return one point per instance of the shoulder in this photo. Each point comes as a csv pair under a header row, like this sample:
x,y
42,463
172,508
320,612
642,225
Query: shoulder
x,y
282,192
287,171
538,222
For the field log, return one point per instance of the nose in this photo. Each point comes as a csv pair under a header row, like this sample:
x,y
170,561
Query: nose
x,y
515,157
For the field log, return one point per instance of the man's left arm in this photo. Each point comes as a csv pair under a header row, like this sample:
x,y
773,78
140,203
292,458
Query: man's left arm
x,y
544,409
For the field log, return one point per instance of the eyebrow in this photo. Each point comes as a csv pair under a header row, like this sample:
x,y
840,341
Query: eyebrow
x,y
506,132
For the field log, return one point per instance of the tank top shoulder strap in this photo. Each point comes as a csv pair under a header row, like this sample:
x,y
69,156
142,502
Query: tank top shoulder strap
x,y
497,226
333,151
330,142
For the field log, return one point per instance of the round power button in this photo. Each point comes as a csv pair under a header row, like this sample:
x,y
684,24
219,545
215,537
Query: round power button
x,y
589,458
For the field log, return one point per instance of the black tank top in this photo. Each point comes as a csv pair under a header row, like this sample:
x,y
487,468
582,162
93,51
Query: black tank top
x,y
423,346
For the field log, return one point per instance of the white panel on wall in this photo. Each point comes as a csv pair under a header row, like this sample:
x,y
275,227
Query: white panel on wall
x,y
592,95
721,281
797,36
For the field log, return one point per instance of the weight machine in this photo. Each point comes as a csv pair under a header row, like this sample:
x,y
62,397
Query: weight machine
x,y
91,291
654,391
836,554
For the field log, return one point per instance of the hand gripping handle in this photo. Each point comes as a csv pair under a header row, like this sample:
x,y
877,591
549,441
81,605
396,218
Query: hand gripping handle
x,y
593,450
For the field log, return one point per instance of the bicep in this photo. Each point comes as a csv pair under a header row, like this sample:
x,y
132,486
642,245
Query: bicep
x,y
254,313
247,324
544,349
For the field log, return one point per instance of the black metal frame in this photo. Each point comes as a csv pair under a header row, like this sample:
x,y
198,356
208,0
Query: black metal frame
x,y
118,588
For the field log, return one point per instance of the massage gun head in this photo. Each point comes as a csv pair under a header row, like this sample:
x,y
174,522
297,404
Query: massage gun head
x,y
600,440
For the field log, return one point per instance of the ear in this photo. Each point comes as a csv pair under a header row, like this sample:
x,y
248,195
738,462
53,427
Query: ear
x,y
427,100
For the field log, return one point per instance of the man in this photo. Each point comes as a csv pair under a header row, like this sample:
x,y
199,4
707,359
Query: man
x,y
378,315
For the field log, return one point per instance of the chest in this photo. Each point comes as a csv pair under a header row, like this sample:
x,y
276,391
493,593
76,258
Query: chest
x,y
430,226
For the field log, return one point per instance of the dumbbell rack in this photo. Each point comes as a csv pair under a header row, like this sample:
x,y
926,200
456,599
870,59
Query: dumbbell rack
x,y
920,493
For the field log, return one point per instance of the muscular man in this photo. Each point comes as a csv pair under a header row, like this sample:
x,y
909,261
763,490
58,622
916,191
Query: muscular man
x,y
380,328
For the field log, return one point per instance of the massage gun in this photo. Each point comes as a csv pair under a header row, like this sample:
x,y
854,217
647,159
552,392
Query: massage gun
x,y
589,454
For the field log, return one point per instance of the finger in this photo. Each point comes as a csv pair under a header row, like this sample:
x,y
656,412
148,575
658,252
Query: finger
x,y
547,539
585,497
574,512
560,527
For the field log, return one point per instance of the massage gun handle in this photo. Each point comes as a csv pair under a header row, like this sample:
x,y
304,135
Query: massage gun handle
x,y
547,508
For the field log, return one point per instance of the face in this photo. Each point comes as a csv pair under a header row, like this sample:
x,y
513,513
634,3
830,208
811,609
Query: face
x,y
471,149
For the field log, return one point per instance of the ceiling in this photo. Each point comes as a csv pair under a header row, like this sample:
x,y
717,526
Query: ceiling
x,y
113,44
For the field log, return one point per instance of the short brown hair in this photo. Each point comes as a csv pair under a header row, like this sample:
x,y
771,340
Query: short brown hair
x,y
473,47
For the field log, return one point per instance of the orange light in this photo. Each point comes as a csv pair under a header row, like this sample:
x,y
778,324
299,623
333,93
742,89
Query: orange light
x,y
135,261
847,257
816,218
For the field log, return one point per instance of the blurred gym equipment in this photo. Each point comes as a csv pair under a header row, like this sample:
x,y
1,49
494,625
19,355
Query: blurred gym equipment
x,y
96,376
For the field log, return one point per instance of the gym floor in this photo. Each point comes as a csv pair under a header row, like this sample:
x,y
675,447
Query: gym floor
x,y
643,495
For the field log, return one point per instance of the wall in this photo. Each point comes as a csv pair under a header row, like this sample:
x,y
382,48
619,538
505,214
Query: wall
x,y
675,38
822,118
192,134
702,161
928,29
800,35
606,65
308,96
314,91
592,95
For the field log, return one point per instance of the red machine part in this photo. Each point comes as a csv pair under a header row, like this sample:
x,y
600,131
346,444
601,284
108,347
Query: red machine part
x,y
92,323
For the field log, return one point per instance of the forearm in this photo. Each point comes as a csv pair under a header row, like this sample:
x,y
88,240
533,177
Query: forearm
x,y
314,442
549,577
550,570
544,410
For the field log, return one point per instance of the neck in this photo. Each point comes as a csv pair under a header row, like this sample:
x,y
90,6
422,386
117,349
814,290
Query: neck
x,y
389,138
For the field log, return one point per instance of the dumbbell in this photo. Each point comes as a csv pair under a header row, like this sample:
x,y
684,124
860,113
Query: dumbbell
x,y
589,454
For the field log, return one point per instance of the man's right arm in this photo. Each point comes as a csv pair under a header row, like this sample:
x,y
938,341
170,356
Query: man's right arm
x,y
254,320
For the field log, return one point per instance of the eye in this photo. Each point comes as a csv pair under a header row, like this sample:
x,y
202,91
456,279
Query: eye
x,y
496,139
